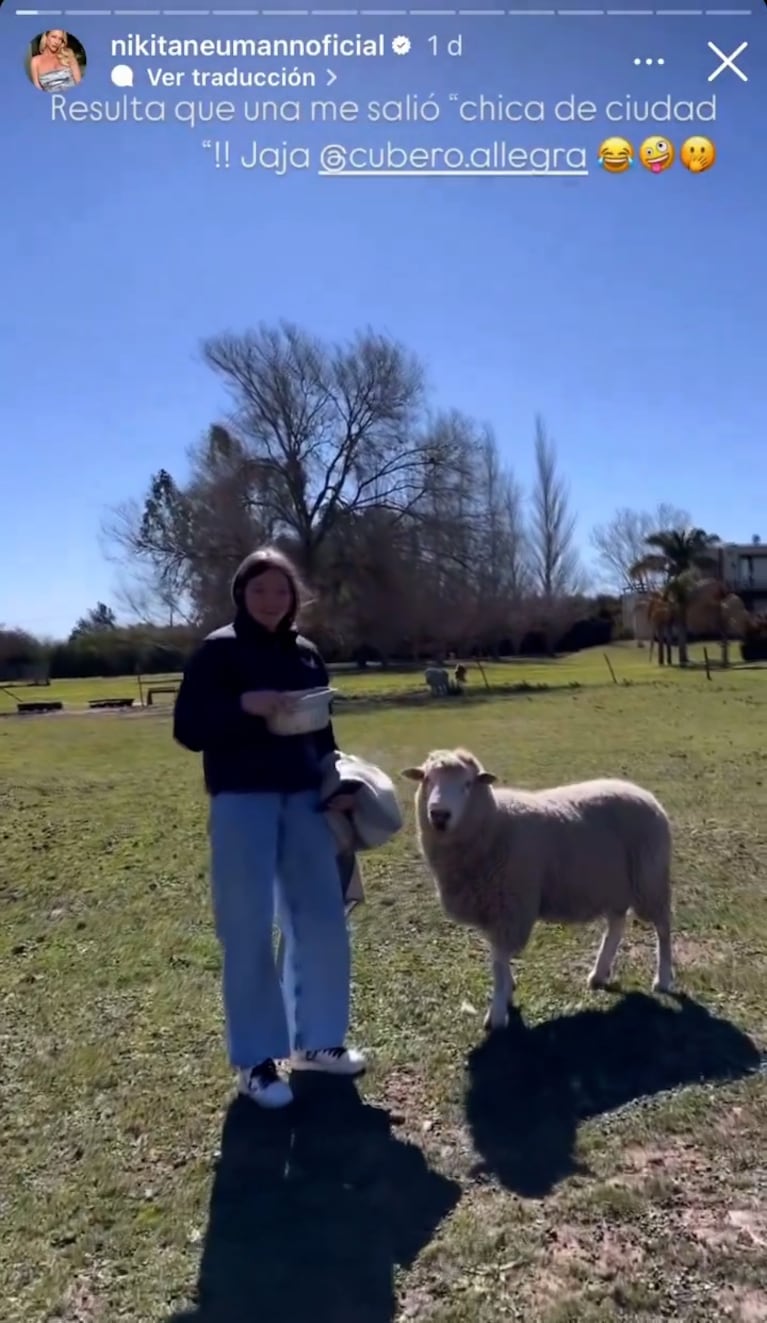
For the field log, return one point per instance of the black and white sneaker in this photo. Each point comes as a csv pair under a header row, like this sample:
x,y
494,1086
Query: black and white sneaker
x,y
263,1085
331,1061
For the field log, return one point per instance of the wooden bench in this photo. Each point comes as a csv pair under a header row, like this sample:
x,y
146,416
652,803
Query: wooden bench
x,y
164,689
110,702
26,708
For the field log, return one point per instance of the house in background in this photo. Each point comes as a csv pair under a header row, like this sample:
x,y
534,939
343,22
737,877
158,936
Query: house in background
x,y
634,616
743,569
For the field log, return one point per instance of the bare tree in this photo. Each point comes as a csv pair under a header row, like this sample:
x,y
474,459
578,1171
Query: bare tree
x,y
518,578
621,543
151,542
144,597
318,432
333,428
447,536
410,526
500,579
555,564
519,583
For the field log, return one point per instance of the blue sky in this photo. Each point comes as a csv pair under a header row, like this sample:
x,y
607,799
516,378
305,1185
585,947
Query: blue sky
x,y
628,310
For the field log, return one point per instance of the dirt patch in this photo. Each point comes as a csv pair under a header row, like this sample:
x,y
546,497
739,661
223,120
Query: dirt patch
x,y
695,1184
573,1254
414,1113
697,952
643,1163
742,1228
744,1304
606,1252
79,1305
679,1186
407,1099
415,1304
157,710
125,713
736,1124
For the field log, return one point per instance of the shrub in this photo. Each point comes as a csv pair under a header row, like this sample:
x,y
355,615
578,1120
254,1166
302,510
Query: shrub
x,y
754,645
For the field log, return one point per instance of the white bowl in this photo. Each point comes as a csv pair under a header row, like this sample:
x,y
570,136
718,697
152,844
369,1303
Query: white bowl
x,y
311,711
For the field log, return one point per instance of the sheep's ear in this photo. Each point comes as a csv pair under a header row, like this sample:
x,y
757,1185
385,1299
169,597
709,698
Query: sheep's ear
x,y
487,778
412,773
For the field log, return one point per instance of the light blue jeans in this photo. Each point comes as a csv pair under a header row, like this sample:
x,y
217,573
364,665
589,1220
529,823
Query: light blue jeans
x,y
267,848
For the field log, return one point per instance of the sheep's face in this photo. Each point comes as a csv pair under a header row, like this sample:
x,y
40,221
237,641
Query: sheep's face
x,y
446,783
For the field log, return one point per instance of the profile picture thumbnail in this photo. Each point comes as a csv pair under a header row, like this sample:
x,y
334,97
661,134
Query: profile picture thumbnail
x,y
55,61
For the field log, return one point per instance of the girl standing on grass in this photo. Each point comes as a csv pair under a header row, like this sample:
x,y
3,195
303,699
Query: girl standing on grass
x,y
266,827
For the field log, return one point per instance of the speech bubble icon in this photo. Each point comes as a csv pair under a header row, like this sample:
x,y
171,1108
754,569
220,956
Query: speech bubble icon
x,y
122,75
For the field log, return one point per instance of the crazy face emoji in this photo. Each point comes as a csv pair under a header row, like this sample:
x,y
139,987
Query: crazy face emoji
x,y
616,155
656,154
698,154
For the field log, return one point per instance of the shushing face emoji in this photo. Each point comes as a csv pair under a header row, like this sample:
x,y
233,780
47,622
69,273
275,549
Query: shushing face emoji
x,y
657,155
616,155
698,154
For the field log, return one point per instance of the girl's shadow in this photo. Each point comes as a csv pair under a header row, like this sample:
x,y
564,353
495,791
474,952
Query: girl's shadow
x,y
311,1210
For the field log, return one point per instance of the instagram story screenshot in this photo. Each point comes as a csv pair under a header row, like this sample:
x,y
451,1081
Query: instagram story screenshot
x,y
383,661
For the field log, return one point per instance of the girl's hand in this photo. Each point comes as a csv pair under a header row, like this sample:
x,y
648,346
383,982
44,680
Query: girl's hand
x,y
341,803
264,702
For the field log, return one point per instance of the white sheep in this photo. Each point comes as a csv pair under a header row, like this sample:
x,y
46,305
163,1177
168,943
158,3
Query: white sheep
x,y
504,858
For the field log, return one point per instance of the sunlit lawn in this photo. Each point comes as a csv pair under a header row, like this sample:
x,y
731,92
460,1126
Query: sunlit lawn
x,y
589,667
604,1162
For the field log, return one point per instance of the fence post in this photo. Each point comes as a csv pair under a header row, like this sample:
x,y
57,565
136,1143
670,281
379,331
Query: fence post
x,y
610,667
482,672
708,664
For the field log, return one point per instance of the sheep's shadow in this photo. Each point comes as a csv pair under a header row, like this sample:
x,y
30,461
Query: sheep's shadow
x,y
311,1210
529,1088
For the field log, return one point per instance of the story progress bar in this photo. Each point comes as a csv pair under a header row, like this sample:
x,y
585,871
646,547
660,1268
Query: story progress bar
x,y
385,13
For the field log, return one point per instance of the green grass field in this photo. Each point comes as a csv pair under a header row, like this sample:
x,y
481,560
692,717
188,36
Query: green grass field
x,y
591,667
602,1160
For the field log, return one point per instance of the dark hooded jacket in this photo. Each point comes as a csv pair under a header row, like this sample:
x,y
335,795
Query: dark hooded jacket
x,y
239,753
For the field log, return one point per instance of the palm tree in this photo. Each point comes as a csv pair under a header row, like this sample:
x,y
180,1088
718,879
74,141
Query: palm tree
x,y
679,556
681,591
686,549
729,613
659,618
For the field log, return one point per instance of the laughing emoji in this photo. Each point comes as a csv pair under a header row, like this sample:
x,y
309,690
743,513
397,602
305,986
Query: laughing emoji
x,y
616,155
657,154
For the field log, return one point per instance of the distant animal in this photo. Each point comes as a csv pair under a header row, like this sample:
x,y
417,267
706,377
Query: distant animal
x,y
504,858
438,681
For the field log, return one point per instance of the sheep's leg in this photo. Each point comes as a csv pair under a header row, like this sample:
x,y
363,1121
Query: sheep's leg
x,y
664,973
603,965
503,990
